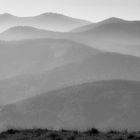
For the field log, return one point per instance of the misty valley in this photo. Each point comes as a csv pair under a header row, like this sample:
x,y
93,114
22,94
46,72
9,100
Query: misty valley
x,y
67,78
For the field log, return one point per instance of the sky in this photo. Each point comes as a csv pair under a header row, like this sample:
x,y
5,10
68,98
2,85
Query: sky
x,y
93,10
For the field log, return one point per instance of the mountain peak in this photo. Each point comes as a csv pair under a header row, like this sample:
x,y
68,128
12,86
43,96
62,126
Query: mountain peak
x,y
22,29
48,21
6,15
113,20
51,14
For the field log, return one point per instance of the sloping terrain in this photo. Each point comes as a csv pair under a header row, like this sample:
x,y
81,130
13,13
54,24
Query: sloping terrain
x,y
103,104
46,21
79,79
27,32
72,66
30,56
27,65
112,35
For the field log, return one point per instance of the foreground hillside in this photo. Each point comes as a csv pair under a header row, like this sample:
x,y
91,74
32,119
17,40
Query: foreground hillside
x,y
45,134
103,104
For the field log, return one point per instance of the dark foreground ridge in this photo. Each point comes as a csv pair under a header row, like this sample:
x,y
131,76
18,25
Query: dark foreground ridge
x,y
45,134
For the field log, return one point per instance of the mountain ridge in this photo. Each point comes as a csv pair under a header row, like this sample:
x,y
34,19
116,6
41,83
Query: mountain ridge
x,y
101,104
48,21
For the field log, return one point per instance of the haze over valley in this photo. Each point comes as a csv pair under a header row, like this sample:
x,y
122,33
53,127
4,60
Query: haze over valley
x,y
61,72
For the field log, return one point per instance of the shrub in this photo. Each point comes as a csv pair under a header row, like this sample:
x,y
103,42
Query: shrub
x,y
131,136
71,138
93,131
113,132
75,132
11,131
54,136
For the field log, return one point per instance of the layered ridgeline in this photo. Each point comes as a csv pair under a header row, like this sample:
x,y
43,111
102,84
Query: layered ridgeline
x,y
31,67
27,67
27,32
56,73
47,21
104,104
115,35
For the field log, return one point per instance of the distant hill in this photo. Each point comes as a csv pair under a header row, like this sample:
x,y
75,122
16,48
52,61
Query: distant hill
x,y
103,104
113,30
50,77
25,65
112,20
69,67
36,55
117,29
47,21
27,32
112,35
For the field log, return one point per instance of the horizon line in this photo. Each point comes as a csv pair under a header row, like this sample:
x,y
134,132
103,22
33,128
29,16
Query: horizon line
x,y
65,15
